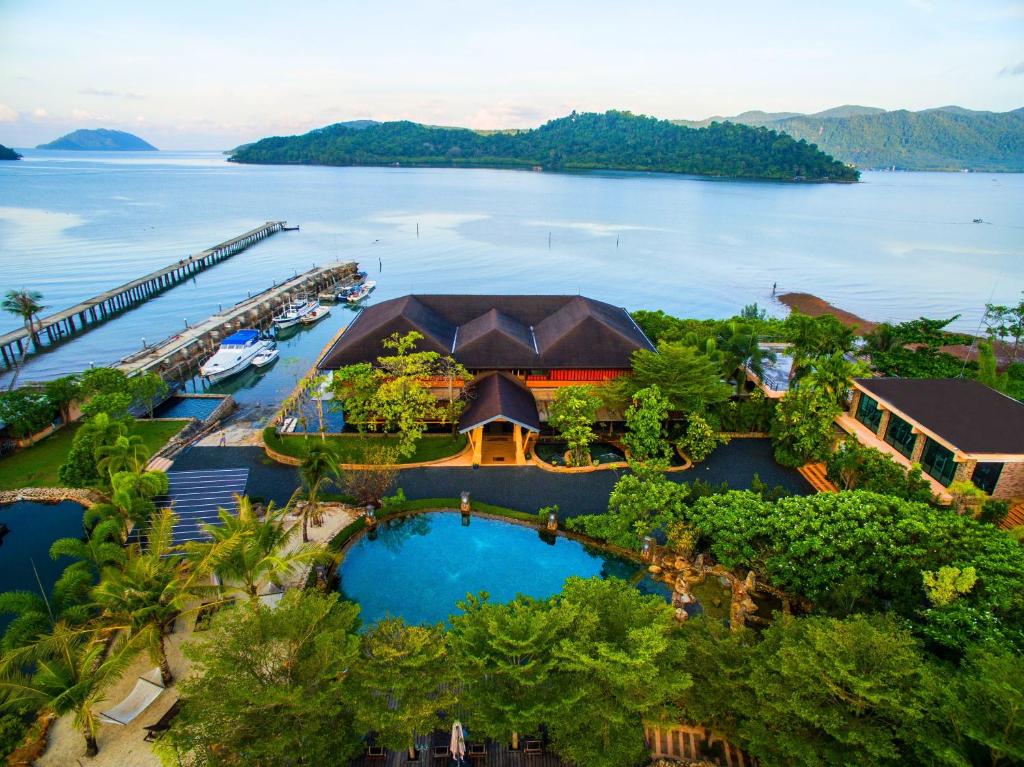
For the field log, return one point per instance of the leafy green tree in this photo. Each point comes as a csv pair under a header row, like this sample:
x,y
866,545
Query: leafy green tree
x,y
947,584
248,551
391,394
272,686
830,692
62,392
26,411
700,438
645,427
635,506
573,413
987,372
146,389
505,654
1006,322
619,664
404,681
144,594
690,381
79,468
64,671
986,703
802,430
127,453
319,466
853,466
25,304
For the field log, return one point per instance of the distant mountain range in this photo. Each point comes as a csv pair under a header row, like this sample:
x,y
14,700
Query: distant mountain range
x,y
945,138
589,141
8,154
100,140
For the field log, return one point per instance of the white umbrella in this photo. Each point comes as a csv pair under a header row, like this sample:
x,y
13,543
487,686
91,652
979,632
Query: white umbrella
x,y
457,748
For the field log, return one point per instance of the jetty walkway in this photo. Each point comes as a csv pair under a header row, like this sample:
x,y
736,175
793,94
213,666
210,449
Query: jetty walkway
x,y
177,358
93,311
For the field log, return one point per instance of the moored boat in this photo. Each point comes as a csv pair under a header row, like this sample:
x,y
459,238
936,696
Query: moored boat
x,y
361,292
293,313
265,357
235,354
316,315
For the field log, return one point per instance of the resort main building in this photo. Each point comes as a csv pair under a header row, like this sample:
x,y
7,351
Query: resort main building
x,y
519,349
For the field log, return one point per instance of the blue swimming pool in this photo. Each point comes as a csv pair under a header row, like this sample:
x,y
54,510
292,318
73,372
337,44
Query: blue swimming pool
x,y
187,407
418,568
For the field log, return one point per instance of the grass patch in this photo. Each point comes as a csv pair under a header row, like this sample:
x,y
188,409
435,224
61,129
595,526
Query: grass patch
x,y
350,448
38,466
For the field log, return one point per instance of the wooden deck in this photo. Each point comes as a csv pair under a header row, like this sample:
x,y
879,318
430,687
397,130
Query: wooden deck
x,y
817,475
498,755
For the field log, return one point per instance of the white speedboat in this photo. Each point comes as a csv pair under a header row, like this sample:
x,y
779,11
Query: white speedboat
x,y
293,313
361,292
316,315
265,357
235,354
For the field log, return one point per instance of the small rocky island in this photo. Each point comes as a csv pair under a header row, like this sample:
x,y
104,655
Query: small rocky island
x,y
100,140
8,154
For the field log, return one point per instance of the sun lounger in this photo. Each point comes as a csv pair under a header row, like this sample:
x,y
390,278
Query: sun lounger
x,y
146,690
163,724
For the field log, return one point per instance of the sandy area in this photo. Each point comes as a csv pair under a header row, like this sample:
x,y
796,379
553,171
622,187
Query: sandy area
x,y
123,746
233,435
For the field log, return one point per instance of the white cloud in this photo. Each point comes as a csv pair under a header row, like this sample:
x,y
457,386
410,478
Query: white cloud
x,y
40,114
7,115
111,94
1012,71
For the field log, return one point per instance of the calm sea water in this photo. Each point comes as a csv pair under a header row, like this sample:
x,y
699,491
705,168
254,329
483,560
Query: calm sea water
x,y
896,246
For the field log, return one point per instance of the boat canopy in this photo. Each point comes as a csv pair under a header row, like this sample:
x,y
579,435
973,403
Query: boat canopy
x,y
241,337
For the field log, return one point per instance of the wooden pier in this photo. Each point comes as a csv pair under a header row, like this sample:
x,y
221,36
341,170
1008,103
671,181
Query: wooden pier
x,y
87,314
178,358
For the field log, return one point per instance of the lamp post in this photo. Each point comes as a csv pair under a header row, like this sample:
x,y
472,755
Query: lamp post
x,y
371,516
552,521
465,506
647,551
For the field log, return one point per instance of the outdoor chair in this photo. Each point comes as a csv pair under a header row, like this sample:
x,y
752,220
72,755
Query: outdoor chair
x,y
532,747
163,724
477,753
376,753
441,754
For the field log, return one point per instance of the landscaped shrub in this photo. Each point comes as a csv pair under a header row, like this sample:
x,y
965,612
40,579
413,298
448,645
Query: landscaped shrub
x,y
853,466
26,411
700,438
802,430
746,414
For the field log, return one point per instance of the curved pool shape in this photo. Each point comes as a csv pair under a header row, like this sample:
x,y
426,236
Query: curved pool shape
x,y
418,568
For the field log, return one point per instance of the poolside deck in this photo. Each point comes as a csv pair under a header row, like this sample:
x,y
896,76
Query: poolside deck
x,y
498,755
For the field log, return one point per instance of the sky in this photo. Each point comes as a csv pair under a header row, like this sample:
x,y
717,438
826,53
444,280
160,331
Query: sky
x,y
217,73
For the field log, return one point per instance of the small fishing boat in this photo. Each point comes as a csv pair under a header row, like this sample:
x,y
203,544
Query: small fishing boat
x,y
977,221
265,357
235,354
316,315
287,228
361,292
294,312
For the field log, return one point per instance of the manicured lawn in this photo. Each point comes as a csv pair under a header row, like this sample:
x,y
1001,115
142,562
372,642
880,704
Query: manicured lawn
x,y
349,448
38,465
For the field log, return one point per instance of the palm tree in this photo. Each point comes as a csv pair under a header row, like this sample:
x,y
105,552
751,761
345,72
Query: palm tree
x,y
102,547
145,594
127,453
834,375
130,499
64,671
36,614
25,303
318,467
737,343
247,551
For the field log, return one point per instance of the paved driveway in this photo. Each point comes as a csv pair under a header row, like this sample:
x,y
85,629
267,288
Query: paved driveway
x,y
523,488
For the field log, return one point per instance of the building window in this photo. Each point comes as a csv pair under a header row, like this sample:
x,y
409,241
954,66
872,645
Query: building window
x,y
986,476
938,462
900,435
868,412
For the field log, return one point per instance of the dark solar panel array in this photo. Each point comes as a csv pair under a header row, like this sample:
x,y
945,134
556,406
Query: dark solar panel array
x,y
197,496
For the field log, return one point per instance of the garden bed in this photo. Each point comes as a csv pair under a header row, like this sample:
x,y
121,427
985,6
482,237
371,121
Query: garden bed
x,y
350,448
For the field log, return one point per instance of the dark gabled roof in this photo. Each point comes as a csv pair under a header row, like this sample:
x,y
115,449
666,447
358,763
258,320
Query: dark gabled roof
x,y
498,332
969,415
499,396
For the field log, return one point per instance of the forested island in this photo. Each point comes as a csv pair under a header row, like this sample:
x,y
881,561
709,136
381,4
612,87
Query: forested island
x,y
100,140
8,154
945,138
588,141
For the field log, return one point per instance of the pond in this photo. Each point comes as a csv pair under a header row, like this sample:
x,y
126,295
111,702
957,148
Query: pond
x,y
187,407
32,527
418,568
600,452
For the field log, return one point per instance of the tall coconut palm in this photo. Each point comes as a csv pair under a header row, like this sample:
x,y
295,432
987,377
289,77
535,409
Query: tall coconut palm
x,y
25,303
101,548
146,593
127,453
834,375
65,671
130,499
247,551
318,468
35,614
